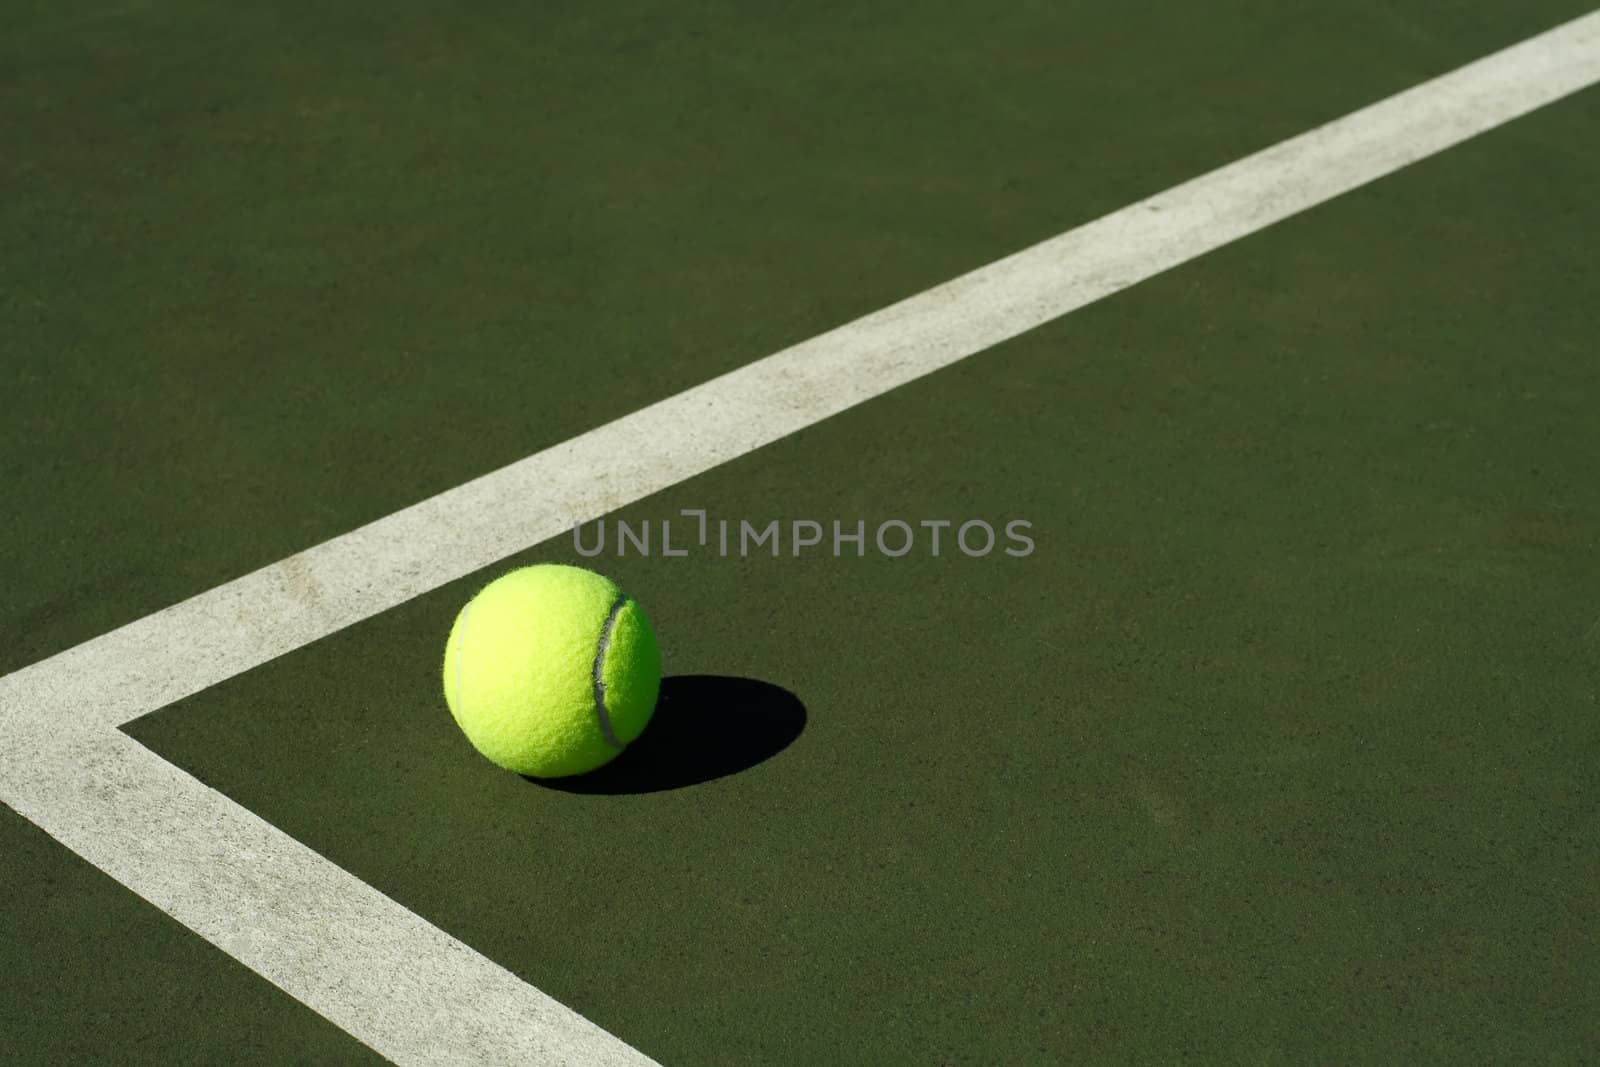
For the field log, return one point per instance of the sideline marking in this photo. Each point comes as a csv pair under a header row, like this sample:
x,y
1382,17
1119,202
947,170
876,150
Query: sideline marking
x,y
370,965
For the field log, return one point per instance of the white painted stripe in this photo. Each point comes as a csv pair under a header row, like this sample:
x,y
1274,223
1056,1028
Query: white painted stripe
x,y
400,984
250,620
64,768
236,626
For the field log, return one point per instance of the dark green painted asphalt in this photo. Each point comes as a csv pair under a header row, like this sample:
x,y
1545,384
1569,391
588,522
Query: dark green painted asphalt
x,y
1281,743
269,274
1282,746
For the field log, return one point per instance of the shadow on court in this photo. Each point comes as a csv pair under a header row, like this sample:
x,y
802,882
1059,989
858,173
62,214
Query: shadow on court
x,y
705,727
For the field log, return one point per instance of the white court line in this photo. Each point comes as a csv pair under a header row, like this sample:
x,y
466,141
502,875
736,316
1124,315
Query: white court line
x,y
363,961
383,973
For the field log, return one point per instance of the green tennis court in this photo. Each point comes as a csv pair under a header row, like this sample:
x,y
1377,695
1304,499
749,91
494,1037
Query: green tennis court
x,y
1278,741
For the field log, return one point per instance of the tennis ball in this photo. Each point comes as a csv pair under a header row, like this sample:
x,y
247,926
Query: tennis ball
x,y
551,671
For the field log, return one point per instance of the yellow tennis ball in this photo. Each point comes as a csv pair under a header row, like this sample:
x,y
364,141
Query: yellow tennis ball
x,y
551,671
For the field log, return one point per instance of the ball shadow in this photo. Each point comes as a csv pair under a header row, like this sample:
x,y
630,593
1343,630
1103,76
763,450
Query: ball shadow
x,y
704,727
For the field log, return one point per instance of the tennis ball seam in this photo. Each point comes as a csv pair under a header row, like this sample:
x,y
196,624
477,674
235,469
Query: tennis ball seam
x,y
601,714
